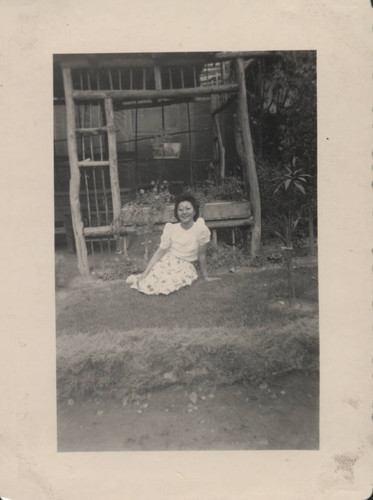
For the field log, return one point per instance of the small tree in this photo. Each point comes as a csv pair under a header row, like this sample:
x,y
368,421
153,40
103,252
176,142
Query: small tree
x,y
292,183
282,100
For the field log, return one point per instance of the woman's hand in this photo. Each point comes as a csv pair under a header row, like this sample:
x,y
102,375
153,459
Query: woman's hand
x,y
140,277
208,278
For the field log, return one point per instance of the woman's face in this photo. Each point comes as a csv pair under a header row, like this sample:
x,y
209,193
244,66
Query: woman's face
x,y
185,212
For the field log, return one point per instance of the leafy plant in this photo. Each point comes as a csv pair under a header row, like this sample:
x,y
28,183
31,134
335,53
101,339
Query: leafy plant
x,y
223,257
229,189
120,268
283,110
143,213
293,179
293,182
287,226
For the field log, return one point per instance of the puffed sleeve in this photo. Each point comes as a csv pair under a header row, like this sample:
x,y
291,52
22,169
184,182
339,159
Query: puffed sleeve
x,y
166,236
203,232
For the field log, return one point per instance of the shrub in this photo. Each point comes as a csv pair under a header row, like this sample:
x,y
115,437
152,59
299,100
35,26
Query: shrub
x,y
224,256
144,211
229,189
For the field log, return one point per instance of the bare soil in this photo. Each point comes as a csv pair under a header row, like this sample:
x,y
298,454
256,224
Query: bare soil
x,y
281,415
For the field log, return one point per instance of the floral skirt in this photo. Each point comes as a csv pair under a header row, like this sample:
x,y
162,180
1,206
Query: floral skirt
x,y
166,276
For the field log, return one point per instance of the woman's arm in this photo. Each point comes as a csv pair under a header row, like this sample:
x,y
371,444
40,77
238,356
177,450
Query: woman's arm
x,y
202,262
156,257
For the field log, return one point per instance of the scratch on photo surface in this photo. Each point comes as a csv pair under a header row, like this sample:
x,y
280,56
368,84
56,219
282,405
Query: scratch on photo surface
x,y
28,470
182,475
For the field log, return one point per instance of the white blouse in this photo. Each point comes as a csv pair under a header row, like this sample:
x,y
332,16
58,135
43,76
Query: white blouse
x,y
184,243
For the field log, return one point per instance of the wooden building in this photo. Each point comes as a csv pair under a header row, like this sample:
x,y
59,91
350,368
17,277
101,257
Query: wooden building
x,y
125,120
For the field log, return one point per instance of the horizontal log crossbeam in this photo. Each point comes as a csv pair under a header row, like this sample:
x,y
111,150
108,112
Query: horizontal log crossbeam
x,y
128,95
80,61
91,163
228,56
103,231
91,131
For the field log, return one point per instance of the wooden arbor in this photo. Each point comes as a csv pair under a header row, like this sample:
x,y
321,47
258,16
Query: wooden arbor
x,y
161,91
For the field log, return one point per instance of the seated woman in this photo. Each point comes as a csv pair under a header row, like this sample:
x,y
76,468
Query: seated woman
x,y
182,243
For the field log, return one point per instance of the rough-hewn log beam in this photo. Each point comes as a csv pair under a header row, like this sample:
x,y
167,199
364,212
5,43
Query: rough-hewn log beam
x,y
215,224
248,158
158,103
226,56
91,131
81,249
214,101
130,95
157,77
89,163
113,160
98,61
221,147
132,60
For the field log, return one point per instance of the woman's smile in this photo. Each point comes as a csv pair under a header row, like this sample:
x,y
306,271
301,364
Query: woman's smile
x,y
185,212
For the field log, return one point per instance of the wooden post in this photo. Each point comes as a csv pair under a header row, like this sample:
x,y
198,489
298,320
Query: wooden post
x,y
221,147
215,236
81,248
249,159
69,233
113,162
190,146
157,78
233,233
125,246
215,142
247,238
138,176
239,148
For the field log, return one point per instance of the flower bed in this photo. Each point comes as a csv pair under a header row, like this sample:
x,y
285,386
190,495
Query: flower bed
x,y
214,211
153,208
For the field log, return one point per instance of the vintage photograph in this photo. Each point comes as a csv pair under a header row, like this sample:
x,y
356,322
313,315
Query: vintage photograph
x,y
186,251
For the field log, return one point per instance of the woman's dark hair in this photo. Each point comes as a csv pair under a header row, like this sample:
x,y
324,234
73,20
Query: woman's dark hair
x,y
186,197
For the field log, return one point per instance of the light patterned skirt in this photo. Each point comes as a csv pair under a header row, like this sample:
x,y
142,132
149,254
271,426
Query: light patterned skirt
x,y
166,276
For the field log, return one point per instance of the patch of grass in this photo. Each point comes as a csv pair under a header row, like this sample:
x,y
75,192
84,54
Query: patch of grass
x,y
306,284
219,257
236,329
118,363
237,300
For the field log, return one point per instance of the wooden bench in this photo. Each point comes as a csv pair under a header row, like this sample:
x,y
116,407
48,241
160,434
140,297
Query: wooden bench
x,y
218,215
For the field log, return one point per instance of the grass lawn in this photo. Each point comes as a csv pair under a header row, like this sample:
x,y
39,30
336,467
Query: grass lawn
x,y
250,299
242,327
